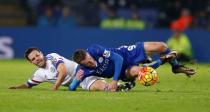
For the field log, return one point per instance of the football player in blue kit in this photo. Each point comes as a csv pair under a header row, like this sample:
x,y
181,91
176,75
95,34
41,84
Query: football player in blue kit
x,y
113,62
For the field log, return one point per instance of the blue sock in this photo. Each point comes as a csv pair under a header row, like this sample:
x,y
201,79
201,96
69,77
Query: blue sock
x,y
166,52
174,63
155,64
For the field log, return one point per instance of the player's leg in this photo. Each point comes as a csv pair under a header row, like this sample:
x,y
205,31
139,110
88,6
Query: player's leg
x,y
99,85
139,52
168,55
95,83
155,47
160,48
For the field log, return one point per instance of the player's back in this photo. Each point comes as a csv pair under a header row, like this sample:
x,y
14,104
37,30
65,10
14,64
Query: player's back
x,y
132,54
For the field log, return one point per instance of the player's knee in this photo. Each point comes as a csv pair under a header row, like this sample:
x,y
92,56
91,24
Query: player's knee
x,y
162,46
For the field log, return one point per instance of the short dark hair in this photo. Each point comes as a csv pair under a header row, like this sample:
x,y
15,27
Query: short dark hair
x,y
127,71
79,55
29,50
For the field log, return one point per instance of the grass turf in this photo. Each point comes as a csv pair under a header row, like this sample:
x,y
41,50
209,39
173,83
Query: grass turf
x,y
172,93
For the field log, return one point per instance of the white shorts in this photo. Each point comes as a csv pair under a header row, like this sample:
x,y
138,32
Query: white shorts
x,y
88,81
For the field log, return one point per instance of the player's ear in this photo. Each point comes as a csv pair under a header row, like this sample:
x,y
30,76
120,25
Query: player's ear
x,y
133,71
127,71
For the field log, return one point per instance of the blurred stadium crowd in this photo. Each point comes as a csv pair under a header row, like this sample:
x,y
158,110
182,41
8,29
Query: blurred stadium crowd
x,y
137,14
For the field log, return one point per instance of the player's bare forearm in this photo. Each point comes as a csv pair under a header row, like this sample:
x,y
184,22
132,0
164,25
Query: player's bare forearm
x,y
61,76
22,86
80,74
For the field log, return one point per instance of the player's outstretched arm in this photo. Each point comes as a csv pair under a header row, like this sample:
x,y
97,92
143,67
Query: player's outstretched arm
x,y
22,86
118,61
75,83
62,71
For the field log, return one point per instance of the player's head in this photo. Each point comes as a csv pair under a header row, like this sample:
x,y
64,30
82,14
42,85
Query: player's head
x,y
82,57
133,71
35,56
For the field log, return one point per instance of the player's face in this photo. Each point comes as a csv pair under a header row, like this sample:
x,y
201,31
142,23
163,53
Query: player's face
x,y
134,71
37,58
88,61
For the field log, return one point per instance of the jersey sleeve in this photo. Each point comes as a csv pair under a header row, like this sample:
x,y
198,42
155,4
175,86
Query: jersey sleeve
x,y
75,83
99,51
118,62
36,79
56,59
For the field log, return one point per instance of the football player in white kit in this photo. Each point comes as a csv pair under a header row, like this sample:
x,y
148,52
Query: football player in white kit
x,y
57,70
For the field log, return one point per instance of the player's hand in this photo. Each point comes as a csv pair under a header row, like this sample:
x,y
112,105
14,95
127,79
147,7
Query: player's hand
x,y
54,88
79,74
113,86
13,87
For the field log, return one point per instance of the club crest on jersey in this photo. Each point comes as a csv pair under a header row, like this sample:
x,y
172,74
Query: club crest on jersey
x,y
52,69
100,59
54,60
106,54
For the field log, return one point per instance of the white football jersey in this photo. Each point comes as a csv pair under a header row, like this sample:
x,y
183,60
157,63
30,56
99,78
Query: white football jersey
x,y
50,73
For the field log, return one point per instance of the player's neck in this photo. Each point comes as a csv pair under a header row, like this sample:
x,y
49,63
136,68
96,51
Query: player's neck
x,y
45,64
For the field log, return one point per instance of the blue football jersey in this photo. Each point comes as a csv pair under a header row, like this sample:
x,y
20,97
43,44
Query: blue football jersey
x,y
106,59
132,54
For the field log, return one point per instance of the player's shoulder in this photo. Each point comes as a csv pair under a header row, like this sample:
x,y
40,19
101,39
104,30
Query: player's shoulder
x,y
52,54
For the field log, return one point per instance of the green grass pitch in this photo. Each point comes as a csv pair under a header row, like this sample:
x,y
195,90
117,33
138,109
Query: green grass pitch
x,y
172,93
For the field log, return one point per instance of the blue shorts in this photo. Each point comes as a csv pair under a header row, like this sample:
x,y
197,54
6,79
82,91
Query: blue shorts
x,y
135,55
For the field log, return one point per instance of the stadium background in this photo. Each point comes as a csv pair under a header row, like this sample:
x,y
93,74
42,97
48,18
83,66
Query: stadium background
x,y
22,26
